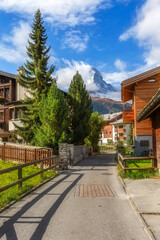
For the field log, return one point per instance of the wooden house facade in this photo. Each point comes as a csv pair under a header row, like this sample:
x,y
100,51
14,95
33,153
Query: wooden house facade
x,y
10,95
152,111
140,89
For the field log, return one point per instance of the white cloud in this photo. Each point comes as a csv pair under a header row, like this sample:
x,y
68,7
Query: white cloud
x,y
13,46
65,75
146,31
74,40
115,78
120,65
68,12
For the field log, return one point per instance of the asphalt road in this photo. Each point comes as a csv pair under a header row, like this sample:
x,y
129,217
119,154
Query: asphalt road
x,y
85,203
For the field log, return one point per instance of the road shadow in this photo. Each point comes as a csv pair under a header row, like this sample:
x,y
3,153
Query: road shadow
x,y
8,228
101,160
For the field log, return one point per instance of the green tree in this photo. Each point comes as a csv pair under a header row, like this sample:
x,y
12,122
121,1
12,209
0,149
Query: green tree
x,y
96,124
36,77
80,109
53,113
130,135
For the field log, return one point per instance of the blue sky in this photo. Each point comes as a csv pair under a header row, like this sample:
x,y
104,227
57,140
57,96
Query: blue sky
x,y
118,37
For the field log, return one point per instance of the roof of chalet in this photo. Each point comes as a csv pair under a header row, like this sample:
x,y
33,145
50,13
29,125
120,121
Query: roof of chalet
x,y
119,121
150,107
141,76
5,74
110,116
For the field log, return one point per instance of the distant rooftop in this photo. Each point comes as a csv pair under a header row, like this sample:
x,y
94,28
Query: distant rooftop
x,y
5,74
110,116
119,121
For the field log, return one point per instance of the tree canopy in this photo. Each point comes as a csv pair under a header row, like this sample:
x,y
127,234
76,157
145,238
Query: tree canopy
x,y
80,109
36,77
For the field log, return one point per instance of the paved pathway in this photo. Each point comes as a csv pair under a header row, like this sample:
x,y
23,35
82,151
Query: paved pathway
x,y
84,203
145,194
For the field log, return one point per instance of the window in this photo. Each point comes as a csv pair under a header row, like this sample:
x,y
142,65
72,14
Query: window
x,y
1,116
144,143
12,114
6,92
1,93
19,115
152,80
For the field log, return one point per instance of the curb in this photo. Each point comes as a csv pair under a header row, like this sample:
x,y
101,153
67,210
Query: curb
x,y
142,220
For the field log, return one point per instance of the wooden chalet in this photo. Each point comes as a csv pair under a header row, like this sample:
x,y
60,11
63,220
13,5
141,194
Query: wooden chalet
x,y
152,111
140,89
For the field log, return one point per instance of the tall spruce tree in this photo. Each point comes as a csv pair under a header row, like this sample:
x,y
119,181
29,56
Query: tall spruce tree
x,y
53,112
35,76
80,109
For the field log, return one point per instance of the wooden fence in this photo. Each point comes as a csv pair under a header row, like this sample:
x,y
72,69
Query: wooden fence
x,y
106,148
51,161
123,162
24,155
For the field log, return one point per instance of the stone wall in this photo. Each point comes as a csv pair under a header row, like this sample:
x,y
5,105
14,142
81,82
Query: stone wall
x,y
70,154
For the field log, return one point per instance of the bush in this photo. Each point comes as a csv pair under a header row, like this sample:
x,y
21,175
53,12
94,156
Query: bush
x,y
120,147
109,141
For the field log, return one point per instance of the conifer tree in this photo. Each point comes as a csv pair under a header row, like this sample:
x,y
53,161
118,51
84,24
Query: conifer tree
x,y
130,135
53,112
80,109
35,76
96,123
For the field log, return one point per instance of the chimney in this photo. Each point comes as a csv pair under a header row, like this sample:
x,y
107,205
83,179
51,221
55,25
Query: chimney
x,y
20,70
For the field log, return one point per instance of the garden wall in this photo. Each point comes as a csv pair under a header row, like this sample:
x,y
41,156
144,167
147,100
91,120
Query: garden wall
x,y
70,154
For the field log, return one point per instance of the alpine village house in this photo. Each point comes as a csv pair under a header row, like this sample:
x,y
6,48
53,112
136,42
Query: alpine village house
x,y
144,92
10,95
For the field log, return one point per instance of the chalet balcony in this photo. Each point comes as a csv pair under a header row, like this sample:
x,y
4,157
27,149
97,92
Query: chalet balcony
x,y
120,138
1,130
120,130
12,127
128,116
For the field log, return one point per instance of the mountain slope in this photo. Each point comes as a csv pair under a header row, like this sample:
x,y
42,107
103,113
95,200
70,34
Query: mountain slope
x,y
106,105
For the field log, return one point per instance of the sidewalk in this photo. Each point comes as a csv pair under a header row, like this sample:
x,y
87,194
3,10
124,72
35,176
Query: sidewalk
x,y
85,202
145,194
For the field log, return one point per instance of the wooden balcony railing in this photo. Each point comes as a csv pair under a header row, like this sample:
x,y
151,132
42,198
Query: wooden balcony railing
x,y
120,138
120,130
128,116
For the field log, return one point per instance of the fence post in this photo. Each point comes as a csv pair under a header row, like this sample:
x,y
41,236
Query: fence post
x,y
3,152
124,166
41,168
20,177
54,160
25,155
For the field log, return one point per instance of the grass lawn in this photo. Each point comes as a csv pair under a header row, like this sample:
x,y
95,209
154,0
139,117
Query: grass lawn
x,y
137,174
14,193
104,148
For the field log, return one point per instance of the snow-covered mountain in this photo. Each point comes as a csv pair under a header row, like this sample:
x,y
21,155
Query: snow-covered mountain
x,y
97,86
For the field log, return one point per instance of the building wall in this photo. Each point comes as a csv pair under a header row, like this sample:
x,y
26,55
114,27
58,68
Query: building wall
x,y
143,92
21,92
138,140
107,131
142,131
156,136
